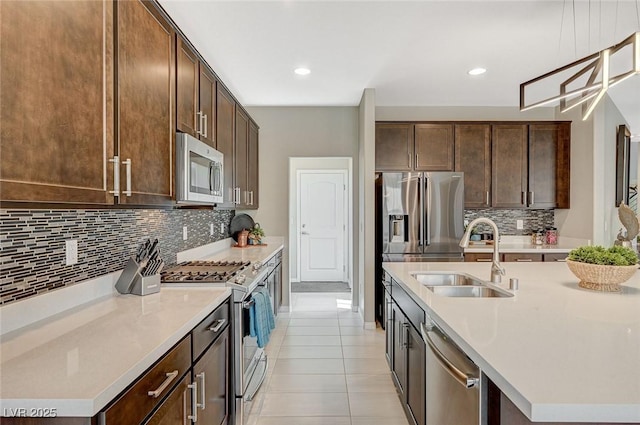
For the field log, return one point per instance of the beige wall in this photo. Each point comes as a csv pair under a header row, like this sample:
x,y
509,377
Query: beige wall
x,y
577,222
298,132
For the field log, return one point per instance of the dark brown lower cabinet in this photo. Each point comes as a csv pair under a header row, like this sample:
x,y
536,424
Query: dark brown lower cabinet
x,y
398,361
408,365
416,374
176,409
211,375
522,257
478,258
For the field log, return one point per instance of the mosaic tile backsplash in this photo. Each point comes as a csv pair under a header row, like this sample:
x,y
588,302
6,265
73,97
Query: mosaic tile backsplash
x,y
506,220
32,260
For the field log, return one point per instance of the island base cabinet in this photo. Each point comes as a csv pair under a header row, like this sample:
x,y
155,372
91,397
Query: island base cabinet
x,y
416,376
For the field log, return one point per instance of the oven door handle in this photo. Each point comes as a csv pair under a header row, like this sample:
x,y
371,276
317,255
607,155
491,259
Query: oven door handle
x,y
247,304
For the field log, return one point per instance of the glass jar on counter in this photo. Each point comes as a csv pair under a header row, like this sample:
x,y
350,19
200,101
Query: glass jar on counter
x,y
551,236
537,237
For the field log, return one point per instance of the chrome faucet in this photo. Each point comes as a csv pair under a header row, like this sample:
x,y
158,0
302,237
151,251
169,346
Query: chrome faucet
x,y
496,269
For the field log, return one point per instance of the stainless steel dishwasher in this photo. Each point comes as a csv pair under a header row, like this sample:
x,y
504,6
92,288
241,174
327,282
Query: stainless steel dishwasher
x,y
454,387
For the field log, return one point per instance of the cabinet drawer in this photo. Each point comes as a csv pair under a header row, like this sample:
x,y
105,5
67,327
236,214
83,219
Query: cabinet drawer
x,y
480,258
522,258
136,403
209,329
409,307
555,257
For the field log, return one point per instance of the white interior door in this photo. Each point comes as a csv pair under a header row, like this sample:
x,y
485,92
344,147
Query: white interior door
x,y
322,227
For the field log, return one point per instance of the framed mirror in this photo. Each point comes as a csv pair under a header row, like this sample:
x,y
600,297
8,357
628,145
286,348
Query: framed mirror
x,y
623,146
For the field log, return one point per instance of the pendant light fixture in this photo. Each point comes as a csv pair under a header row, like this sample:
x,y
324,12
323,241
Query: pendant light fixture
x,y
585,81
596,69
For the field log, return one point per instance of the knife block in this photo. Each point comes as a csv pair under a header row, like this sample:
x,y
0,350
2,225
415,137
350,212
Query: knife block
x,y
145,285
124,285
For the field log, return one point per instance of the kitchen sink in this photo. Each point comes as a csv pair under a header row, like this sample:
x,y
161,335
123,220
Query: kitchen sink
x,y
469,291
459,285
447,279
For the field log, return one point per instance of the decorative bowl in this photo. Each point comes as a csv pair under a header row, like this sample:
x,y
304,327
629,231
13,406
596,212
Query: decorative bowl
x,y
600,277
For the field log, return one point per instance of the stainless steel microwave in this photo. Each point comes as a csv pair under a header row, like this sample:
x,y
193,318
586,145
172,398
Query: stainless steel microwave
x,y
199,171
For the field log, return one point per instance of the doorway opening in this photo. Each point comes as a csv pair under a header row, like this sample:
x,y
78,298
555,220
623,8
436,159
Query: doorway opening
x,y
320,234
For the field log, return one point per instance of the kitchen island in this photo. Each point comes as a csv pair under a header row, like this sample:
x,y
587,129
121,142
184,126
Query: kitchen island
x,y
557,352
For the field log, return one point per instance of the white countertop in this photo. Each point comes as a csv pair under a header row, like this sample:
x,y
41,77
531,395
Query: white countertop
x,y
559,352
79,360
77,357
522,244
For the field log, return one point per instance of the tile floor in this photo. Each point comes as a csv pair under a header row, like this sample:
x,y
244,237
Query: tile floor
x,y
325,368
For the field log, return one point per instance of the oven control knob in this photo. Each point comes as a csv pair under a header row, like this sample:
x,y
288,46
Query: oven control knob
x,y
240,279
257,266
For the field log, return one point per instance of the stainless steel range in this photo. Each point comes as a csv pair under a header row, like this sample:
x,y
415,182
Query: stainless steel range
x,y
250,361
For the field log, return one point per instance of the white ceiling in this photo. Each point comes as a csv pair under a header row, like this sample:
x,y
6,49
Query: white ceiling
x,y
414,53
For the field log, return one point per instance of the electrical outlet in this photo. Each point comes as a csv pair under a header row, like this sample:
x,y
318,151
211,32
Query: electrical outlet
x,y
71,251
223,230
211,229
184,233
519,224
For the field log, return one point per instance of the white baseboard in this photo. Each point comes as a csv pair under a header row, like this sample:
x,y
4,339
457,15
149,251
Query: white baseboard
x,y
370,326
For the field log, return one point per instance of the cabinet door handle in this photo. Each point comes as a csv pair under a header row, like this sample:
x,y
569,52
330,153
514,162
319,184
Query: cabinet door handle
x,y
116,175
523,198
237,196
203,398
487,197
251,198
416,161
523,260
194,402
219,324
531,198
170,377
206,132
198,124
561,260
484,260
127,164
405,329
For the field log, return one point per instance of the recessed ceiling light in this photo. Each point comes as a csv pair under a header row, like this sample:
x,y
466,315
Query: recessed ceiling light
x,y
477,71
302,71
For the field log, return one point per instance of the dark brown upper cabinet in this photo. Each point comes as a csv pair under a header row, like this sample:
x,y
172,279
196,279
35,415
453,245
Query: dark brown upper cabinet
x,y
473,157
414,147
509,165
195,93
433,147
56,102
254,164
225,134
242,155
207,91
549,177
394,147
146,104
187,74
531,165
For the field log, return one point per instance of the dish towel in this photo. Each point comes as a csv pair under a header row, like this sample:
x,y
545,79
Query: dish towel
x,y
261,318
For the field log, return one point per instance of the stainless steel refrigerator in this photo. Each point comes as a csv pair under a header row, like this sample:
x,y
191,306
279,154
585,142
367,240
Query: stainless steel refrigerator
x,y
422,216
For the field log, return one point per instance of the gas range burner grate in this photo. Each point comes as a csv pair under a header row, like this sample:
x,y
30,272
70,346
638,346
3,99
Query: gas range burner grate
x,y
203,271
